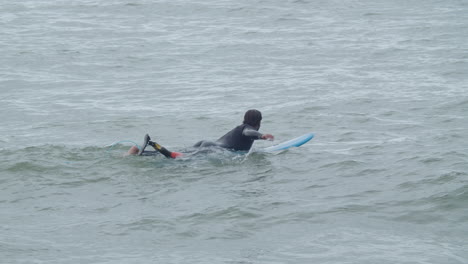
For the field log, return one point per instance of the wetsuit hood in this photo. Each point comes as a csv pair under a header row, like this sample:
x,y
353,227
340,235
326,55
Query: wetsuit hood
x,y
253,118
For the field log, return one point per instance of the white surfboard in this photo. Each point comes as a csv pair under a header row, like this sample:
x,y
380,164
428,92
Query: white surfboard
x,y
296,142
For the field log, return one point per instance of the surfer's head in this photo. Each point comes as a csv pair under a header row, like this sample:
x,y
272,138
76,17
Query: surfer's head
x,y
253,118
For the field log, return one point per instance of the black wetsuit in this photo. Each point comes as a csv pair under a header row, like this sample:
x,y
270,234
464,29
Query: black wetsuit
x,y
240,138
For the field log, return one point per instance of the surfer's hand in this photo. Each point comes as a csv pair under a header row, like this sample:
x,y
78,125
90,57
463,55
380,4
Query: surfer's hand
x,y
268,137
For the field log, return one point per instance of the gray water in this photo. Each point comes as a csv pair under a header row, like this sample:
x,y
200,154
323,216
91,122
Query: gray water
x,y
382,84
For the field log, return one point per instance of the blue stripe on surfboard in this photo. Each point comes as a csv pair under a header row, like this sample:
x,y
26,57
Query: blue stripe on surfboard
x,y
296,142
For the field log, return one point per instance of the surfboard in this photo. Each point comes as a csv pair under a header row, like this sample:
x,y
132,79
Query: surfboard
x,y
296,142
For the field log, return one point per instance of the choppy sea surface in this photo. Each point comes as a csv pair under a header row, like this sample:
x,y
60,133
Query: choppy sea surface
x,y
382,84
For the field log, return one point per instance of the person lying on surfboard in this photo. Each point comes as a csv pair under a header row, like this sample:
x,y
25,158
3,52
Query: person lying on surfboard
x,y
241,138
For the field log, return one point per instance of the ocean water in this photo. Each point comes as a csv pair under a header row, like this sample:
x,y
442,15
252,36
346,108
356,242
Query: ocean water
x,y
382,84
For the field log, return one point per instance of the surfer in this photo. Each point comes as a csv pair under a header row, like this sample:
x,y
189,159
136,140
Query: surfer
x,y
240,138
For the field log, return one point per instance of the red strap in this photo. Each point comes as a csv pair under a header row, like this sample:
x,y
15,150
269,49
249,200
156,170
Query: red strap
x,y
176,154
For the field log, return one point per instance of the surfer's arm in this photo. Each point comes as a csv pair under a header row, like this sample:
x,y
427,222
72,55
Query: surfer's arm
x,y
257,135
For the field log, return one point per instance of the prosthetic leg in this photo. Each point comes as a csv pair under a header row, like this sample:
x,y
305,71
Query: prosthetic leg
x,y
159,148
